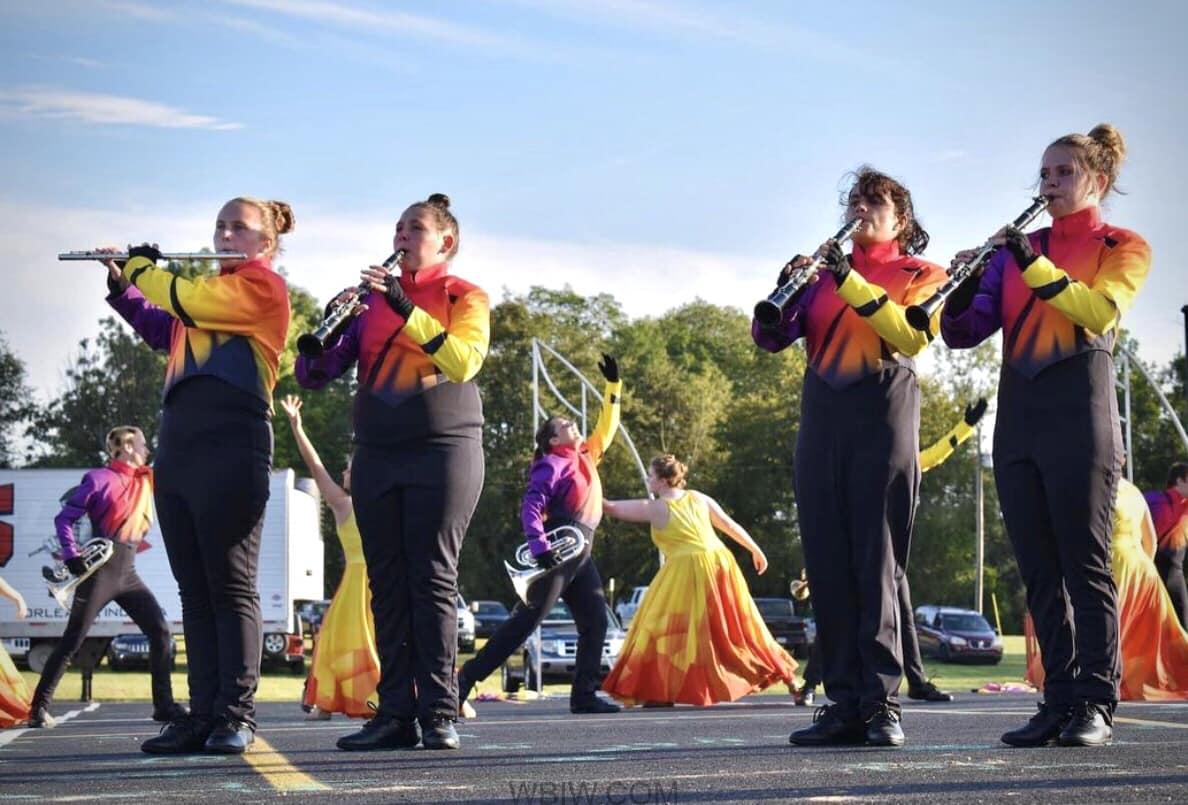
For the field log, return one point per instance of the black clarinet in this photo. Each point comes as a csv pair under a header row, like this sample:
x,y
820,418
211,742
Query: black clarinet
x,y
920,316
769,311
312,345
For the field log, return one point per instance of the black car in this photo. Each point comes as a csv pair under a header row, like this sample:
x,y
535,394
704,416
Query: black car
x,y
132,651
790,630
488,616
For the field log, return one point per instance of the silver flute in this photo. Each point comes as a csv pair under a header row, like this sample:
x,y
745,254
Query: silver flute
x,y
164,256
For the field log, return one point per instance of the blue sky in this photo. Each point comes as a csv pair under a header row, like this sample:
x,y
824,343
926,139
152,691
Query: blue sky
x,y
659,151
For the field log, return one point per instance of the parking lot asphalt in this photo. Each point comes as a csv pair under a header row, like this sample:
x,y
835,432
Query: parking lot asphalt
x,y
538,752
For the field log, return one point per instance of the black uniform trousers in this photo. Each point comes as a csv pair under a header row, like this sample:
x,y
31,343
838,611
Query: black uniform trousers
x,y
577,583
1057,460
413,503
212,484
117,580
857,477
1170,565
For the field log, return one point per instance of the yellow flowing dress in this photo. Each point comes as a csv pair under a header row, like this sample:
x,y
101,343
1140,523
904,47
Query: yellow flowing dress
x,y
345,668
1153,645
14,693
697,638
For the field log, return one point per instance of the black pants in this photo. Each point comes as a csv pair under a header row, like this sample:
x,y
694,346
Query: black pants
x,y
212,477
116,581
413,504
1170,565
1057,459
579,585
913,662
857,477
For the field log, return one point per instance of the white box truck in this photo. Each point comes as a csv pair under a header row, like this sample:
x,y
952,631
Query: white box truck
x,y
290,572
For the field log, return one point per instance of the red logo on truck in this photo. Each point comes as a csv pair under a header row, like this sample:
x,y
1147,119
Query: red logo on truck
x,y
5,528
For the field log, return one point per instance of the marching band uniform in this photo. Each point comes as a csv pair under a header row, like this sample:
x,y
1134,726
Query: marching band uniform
x,y
1057,446
1169,511
417,474
857,475
118,500
563,489
224,335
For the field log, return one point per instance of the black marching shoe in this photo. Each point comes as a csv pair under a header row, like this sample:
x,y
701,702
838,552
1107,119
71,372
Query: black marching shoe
x,y
1042,729
929,692
229,737
185,736
40,718
439,734
170,712
882,727
1088,725
381,732
805,696
830,728
592,705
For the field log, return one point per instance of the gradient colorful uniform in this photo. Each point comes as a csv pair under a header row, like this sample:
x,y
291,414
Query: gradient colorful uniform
x,y
118,500
1169,512
563,489
416,474
856,462
224,334
1057,443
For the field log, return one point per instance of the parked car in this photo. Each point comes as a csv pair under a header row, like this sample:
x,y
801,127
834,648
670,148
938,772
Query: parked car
x,y
132,651
952,634
465,626
558,650
488,616
626,608
790,630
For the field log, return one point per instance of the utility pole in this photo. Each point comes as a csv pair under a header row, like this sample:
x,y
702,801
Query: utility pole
x,y
980,550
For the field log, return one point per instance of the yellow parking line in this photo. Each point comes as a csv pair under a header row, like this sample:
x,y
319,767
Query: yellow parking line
x,y
278,771
1144,722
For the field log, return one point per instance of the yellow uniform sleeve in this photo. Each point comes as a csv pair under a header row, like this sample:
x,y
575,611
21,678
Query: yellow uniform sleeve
x,y
237,303
887,318
608,421
459,349
1096,307
935,454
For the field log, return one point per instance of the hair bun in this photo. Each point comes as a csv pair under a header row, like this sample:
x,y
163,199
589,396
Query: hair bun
x,y
282,214
1110,139
439,200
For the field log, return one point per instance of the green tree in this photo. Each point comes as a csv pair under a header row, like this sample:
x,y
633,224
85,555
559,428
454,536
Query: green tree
x,y
16,405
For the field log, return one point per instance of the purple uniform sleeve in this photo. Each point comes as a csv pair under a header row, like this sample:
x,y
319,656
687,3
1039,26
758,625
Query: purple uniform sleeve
x,y
72,511
314,373
154,325
791,326
542,479
983,317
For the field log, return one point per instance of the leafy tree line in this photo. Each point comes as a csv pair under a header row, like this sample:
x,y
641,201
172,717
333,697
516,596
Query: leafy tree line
x,y
695,385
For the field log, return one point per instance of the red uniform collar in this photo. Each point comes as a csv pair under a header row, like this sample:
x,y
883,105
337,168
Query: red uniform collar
x,y
124,468
424,275
261,262
1081,222
875,254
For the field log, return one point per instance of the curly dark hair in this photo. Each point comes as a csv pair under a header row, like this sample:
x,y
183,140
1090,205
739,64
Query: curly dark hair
x,y
875,185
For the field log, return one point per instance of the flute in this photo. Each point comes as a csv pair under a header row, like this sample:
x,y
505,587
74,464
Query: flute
x,y
92,255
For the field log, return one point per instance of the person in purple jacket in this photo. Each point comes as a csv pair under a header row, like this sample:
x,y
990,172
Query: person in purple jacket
x,y
563,490
118,500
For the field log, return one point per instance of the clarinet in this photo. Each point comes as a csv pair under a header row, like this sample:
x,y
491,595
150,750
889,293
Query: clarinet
x,y
770,310
312,345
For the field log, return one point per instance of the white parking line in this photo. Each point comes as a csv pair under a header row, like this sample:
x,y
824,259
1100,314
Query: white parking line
x,y
8,736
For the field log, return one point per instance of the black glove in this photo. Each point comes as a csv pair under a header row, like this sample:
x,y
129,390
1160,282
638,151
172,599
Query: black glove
x,y
549,559
1020,248
787,270
76,565
974,411
396,297
961,298
837,261
609,368
145,250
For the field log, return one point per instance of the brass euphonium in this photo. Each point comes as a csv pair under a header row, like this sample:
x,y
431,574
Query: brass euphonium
x,y
60,581
312,345
568,542
920,316
769,311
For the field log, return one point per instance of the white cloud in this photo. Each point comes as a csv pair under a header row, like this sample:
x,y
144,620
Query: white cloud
x,y
98,108
142,11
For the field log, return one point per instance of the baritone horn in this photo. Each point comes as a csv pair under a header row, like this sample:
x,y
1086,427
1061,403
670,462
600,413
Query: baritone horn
x,y
920,316
769,311
312,345
567,540
93,255
60,581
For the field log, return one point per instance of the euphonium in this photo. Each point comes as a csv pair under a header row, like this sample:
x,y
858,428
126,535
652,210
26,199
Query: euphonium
x,y
312,345
95,554
769,312
567,540
919,316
